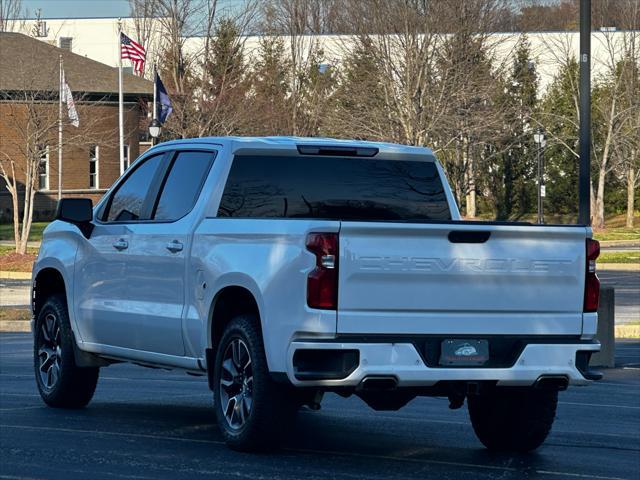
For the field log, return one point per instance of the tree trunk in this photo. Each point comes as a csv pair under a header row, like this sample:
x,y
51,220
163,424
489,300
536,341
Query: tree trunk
x,y
631,176
598,216
598,219
592,203
471,196
16,217
24,235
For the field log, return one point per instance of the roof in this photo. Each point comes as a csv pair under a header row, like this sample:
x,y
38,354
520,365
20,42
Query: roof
x,y
288,145
33,65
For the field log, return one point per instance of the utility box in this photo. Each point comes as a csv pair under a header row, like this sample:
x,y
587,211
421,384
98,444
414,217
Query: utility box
x,y
606,329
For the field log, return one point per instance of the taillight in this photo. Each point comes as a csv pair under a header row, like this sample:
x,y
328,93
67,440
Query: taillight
x,y
322,282
591,283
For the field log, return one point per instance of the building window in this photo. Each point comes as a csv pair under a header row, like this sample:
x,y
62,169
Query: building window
x,y
43,169
94,159
40,29
126,157
66,43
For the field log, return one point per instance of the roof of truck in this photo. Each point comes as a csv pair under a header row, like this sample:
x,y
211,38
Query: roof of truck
x,y
279,143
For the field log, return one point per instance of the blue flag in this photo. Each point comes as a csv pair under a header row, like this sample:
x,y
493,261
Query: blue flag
x,y
163,106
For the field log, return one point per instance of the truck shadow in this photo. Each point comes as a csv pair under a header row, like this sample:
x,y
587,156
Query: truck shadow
x,y
370,443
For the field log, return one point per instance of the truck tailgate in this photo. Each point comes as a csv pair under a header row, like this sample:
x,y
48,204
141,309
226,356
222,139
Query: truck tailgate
x,y
413,279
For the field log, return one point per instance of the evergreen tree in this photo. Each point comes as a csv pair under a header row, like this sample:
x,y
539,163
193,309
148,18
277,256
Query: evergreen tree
x,y
516,168
316,86
559,115
270,95
359,110
225,86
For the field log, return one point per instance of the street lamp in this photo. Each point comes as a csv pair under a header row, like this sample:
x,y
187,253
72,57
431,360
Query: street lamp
x,y
541,142
155,128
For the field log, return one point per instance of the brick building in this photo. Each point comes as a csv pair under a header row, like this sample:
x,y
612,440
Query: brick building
x,y
29,82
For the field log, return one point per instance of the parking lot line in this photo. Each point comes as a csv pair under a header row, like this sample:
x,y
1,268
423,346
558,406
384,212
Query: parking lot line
x,y
599,405
577,475
107,433
314,451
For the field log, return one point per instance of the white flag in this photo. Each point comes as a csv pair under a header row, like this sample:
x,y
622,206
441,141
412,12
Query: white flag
x,y
67,97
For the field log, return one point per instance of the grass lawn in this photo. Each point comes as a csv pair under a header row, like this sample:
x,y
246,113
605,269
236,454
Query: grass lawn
x,y
619,257
6,231
13,262
618,234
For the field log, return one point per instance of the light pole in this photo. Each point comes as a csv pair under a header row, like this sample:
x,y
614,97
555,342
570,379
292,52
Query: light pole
x,y
155,128
541,142
584,179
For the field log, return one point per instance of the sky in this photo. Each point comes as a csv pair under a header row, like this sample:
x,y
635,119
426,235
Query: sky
x,y
84,8
77,8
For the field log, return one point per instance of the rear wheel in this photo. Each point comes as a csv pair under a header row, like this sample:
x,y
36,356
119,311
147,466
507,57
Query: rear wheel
x,y
513,419
60,382
253,411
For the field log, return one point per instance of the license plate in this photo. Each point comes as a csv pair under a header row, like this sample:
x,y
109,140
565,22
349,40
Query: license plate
x,y
464,352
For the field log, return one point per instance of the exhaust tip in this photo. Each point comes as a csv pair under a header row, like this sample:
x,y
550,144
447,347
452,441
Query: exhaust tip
x,y
552,382
378,383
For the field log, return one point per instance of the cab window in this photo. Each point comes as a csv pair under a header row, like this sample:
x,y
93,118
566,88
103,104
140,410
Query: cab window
x,y
127,202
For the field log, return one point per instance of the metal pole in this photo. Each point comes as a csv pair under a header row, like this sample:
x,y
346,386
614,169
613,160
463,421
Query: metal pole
x,y
539,184
543,192
120,99
584,182
155,100
60,133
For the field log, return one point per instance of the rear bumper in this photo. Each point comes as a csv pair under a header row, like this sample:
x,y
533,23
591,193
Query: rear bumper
x,y
403,361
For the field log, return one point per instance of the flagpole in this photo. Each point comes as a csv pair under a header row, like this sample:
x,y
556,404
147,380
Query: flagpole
x,y
155,92
60,134
120,98
155,99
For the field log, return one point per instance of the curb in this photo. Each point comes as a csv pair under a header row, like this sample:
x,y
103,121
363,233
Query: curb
x,y
628,331
15,275
627,267
15,326
24,326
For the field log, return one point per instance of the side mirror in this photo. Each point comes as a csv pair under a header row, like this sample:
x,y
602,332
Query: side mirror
x,y
78,211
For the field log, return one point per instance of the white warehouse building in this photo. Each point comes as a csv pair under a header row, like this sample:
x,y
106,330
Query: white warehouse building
x,y
96,38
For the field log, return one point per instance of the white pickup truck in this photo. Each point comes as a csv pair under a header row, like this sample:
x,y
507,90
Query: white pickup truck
x,y
283,268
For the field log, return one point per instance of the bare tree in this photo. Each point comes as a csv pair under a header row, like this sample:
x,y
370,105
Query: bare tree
x,y
627,146
618,104
31,117
10,11
204,74
434,66
145,20
297,21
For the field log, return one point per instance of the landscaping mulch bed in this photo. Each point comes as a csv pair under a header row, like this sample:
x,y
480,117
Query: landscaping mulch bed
x,y
15,314
14,262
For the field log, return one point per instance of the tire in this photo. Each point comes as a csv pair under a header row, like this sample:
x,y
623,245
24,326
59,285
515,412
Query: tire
x,y
61,383
253,412
513,419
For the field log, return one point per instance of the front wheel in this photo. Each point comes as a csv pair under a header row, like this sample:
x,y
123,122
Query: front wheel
x,y
60,381
513,419
252,410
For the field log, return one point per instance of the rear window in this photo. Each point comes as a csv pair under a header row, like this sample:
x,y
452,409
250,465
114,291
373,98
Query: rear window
x,y
334,188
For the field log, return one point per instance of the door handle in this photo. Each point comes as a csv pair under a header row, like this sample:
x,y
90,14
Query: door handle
x,y
121,244
175,246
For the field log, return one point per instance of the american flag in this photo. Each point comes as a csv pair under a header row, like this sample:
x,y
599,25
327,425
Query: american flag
x,y
134,52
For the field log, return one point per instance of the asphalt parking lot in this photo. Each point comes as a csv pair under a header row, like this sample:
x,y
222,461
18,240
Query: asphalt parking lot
x,y
627,286
150,424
